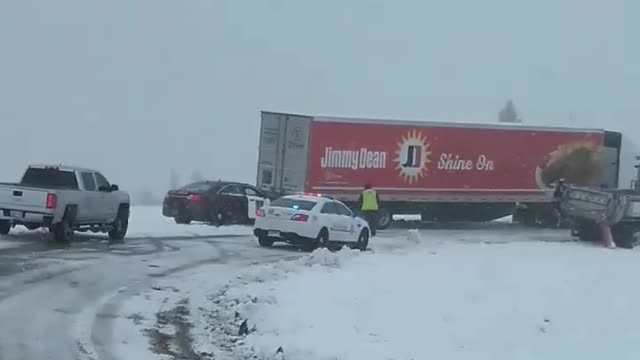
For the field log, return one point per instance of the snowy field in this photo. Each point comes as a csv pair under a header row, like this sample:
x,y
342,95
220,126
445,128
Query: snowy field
x,y
441,300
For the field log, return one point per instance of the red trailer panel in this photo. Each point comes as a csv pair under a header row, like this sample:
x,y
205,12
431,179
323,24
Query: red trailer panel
x,y
422,162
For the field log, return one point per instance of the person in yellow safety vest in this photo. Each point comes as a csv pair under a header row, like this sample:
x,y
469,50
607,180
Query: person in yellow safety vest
x,y
369,207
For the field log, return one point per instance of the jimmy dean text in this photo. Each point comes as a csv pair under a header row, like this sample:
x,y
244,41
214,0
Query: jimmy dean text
x,y
353,159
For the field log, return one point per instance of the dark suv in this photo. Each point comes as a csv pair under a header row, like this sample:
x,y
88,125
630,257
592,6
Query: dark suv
x,y
216,202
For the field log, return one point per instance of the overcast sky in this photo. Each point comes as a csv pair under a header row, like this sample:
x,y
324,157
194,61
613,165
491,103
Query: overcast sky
x,y
136,88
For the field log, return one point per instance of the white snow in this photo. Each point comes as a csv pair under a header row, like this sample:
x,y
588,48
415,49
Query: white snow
x,y
506,219
147,221
438,300
414,236
4,244
141,311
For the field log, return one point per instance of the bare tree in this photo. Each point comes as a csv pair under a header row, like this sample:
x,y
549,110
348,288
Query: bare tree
x,y
509,114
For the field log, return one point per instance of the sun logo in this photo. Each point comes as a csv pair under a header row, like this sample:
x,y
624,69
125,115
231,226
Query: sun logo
x,y
412,156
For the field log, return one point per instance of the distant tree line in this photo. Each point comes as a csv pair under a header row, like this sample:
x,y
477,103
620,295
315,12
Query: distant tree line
x,y
146,197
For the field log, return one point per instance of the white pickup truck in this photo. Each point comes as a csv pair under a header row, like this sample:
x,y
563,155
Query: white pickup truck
x,y
64,199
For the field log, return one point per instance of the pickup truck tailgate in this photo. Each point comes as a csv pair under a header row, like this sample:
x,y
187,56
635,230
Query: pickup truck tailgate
x,y
22,198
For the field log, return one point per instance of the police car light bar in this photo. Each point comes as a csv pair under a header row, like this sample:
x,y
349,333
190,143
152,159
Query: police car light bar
x,y
314,194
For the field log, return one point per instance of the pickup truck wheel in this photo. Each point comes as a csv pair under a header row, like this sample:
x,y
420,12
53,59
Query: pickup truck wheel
x,y
120,225
63,231
5,227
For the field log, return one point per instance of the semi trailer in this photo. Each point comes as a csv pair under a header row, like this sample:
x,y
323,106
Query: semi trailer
x,y
443,171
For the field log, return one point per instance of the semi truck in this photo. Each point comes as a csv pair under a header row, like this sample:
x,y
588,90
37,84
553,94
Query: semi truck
x,y
443,171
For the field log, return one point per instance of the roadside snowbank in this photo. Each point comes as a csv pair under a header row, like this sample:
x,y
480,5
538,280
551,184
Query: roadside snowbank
x,y
450,301
231,310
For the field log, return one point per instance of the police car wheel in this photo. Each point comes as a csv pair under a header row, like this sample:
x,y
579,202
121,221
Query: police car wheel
x,y
363,240
322,240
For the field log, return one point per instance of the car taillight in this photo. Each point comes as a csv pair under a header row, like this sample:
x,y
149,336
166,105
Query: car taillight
x,y
195,198
260,213
300,217
52,201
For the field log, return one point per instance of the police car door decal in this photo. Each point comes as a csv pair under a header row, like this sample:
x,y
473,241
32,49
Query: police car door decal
x,y
254,202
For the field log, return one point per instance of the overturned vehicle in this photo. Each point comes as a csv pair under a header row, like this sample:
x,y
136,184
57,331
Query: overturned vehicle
x,y
601,214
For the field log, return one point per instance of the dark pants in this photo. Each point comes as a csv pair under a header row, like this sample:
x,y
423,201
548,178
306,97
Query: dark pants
x,y
372,219
559,213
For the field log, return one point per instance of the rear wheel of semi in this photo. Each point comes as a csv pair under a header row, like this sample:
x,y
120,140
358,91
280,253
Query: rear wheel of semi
x,y
384,219
5,227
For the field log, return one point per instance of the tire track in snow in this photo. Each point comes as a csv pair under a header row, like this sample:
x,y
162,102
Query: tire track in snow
x,y
101,334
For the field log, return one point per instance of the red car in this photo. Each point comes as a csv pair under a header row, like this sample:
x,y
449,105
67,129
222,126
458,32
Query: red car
x,y
216,202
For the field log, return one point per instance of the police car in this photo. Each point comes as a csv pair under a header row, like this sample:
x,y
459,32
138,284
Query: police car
x,y
310,220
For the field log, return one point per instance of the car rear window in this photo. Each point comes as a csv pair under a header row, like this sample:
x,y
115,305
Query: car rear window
x,y
50,178
199,187
294,204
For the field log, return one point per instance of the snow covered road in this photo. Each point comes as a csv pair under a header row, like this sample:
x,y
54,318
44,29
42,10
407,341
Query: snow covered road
x,y
152,297
64,302
68,302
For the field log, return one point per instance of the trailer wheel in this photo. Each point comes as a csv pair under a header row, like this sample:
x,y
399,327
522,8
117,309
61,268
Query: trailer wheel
x,y
587,231
624,236
385,217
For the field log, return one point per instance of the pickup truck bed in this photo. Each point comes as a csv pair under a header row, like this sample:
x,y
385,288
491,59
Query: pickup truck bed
x,y
588,208
32,206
